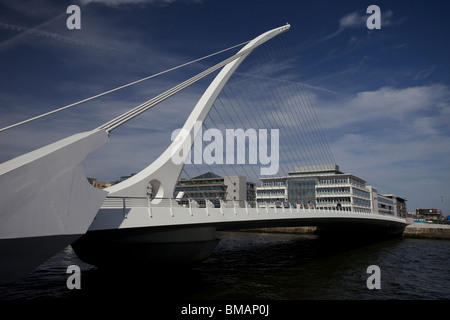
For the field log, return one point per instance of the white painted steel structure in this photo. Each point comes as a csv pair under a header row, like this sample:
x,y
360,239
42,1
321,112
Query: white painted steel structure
x,y
123,213
163,174
167,232
45,196
46,201
132,216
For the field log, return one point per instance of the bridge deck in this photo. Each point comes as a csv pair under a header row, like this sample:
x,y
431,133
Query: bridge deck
x,y
138,213
132,232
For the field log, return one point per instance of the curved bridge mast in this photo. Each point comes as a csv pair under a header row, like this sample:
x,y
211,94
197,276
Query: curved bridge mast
x,y
46,200
162,175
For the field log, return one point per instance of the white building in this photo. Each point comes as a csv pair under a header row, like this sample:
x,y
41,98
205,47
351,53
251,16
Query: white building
x,y
387,204
321,187
210,186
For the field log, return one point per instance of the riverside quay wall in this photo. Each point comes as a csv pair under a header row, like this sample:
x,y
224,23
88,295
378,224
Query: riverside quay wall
x,y
427,231
413,230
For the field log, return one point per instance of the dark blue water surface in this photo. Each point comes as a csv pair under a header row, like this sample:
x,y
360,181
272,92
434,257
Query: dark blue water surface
x,y
265,266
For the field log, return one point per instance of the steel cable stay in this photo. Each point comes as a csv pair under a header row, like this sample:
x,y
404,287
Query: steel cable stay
x,y
202,192
243,128
141,108
121,87
263,108
300,137
263,90
323,141
240,148
314,130
229,87
283,146
221,108
220,165
316,157
330,153
282,102
320,153
234,92
292,107
196,166
327,150
127,116
245,101
228,143
273,91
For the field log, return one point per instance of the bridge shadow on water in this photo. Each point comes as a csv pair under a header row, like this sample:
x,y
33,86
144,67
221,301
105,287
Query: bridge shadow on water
x,y
244,265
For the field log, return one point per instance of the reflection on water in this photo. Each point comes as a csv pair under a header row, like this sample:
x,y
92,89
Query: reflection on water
x,y
260,266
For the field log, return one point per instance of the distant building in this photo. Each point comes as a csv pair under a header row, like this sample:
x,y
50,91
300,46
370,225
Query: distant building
x,y
321,187
399,205
103,185
387,205
429,214
210,186
99,184
326,187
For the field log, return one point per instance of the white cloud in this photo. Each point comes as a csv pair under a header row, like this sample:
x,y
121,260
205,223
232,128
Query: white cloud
x,y
357,19
398,139
352,19
387,103
387,19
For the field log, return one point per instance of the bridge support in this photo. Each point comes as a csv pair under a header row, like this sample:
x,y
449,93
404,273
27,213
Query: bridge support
x,y
46,202
163,174
146,247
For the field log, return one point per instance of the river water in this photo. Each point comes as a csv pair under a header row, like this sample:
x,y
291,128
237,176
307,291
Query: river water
x,y
249,266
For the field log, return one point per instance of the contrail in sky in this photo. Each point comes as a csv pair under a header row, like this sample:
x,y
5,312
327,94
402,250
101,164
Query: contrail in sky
x,y
24,31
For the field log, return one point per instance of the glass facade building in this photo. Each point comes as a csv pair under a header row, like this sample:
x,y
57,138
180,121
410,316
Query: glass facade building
x,y
321,187
302,191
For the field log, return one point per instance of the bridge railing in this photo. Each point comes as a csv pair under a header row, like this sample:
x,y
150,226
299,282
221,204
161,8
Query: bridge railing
x,y
126,203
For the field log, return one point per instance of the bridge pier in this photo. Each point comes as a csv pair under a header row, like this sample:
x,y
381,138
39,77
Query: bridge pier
x,y
146,247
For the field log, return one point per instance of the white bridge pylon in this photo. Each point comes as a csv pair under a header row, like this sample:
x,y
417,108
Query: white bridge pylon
x,y
47,202
45,195
162,175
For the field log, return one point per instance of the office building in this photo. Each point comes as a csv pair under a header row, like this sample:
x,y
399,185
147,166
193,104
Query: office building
x,y
321,187
326,187
399,205
210,186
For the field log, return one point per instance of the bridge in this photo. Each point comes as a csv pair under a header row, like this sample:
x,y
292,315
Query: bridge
x,y
48,204
170,233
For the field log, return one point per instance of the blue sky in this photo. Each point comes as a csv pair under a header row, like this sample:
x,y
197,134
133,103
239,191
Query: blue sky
x,y
382,96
